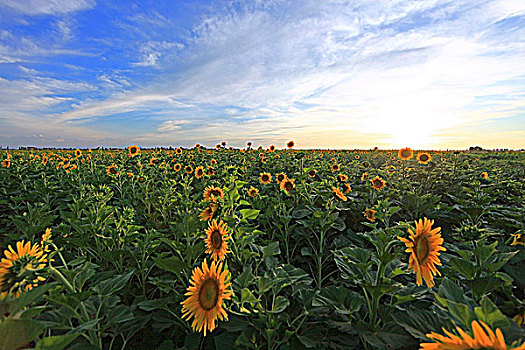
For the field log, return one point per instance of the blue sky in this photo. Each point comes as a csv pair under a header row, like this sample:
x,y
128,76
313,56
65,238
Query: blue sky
x,y
327,74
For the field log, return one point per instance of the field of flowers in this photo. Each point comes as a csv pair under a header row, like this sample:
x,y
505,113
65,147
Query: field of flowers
x,y
261,249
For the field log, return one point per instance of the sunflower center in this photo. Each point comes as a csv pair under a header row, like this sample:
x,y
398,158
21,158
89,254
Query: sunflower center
x,y
209,294
216,239
422,249
265,177
423,157
133,150
113,170
288,186
377,183
405,153
214,193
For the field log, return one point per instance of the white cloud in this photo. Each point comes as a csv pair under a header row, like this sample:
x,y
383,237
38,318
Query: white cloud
x,y
171,125
48,7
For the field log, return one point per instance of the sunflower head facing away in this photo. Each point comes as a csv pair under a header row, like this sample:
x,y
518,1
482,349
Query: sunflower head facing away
x,y
207,213
378,183
216,240
209,287
211,193
370,214
265,178
423,157
339,194
405,153
424,247
481,337
21,269
133,150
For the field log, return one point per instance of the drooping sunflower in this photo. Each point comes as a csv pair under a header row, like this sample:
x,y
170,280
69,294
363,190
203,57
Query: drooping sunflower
x,y
405,153
290,144
265,178
335,167
482,338
216,240
424,247
188,169
177,167
133,150
280,177
518,238
252,192
211,193
423,157
339,194
112,170
199,172
21,269
287,185
369,214
378,183
209,287
207,213
312,173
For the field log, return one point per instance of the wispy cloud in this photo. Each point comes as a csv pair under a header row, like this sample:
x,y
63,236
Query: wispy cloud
x,y
48,7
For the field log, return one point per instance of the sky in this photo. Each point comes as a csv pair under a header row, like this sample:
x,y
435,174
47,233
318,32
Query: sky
x,y
424,74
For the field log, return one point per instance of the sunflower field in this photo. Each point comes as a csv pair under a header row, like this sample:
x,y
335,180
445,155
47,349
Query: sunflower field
x,y
261,249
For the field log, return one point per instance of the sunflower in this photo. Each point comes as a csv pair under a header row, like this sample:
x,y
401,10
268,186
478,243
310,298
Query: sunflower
x,y
265,178
177,167
199,172
252,192
312,173
335,167
211,193
188,169
484,175
369,214
357,156
210,171
342,178
78,153
347,188
213,161
112,170
390,169
287,185
45,160
207,213
280,177
423,157
366,164
290,144
6,163
364,176
216,240
133,150
272,148
518,238
339,194
209,286
153,161
482,338
21,268
405,153
378,183
178,150
249,144
424,247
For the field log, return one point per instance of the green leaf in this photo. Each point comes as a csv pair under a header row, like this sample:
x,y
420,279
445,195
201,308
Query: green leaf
x,y
490,314
119,314
271,249
280,304
15,333
57,342
246,278
339,224
249,213
463,267
247,296
172,264
113,285
301,213
29,297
